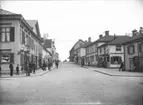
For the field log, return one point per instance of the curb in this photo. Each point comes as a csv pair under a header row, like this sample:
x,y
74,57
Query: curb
x,y
109,74
24,76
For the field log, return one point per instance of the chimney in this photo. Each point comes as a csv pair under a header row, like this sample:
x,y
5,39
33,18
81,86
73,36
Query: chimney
x,y
89,39
100,36
106,33
134,32
141,30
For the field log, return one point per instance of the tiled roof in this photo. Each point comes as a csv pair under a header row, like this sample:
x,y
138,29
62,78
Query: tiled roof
x,y
76,43
105,38
48,43
119,40
134,38
5,12
86,44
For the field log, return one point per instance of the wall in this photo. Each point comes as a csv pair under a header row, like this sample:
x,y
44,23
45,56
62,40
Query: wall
x,y
127,56
14,46
112,49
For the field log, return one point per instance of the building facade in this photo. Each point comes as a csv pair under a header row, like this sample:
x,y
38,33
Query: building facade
x,y
133,50
19,44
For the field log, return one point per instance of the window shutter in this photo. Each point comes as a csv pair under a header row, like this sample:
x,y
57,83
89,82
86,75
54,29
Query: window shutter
x,y
12,34
0,34
12,57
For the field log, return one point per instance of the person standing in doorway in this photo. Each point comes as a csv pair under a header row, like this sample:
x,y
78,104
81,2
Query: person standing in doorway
x,y
11,69
17,69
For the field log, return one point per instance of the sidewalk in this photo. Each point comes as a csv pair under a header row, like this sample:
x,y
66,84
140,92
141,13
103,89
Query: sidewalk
x,y
38,72
115,72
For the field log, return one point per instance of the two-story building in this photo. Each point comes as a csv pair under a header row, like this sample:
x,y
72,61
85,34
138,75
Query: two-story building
x,y
111,53
75,52
133,50
19,44
82,52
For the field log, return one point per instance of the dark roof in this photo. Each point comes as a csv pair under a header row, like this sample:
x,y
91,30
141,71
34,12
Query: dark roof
x,y
134,38
5,12
119,40
76,43
86,44
106,38
48,43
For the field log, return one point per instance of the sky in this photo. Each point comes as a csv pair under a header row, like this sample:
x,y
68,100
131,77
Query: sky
x,y
67,21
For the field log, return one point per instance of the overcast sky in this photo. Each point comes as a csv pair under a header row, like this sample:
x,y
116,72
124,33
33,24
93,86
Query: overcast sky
x,y
68,21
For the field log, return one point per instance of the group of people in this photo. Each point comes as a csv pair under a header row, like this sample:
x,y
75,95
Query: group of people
x,y
30,67
50,64
12,68
27,68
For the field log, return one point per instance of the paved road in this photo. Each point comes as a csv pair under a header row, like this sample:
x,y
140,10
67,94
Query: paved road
x,y
71,84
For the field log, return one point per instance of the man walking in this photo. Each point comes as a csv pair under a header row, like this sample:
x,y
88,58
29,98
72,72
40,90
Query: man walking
x,y
121,66
11,69
17,69
57,63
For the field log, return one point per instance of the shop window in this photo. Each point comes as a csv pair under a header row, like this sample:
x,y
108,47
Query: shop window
x,y
6,56
131,49
118,47
116,60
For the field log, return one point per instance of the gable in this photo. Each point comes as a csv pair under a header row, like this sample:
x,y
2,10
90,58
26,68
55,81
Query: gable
x,y
78,44
35,26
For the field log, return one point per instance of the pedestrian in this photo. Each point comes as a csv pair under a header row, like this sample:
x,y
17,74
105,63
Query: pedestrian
x,y
121,66
0,70
11,69
57,63
30,67
44,66
22,69
49,65
17,69
34,67
82,62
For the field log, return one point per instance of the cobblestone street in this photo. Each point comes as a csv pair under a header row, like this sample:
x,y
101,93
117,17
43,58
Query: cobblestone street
x,y
71,84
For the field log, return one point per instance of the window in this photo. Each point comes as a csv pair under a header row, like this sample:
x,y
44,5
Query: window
x,y
6,56
100,50
116,60
141,47
6,34
118,47
23,37
131,49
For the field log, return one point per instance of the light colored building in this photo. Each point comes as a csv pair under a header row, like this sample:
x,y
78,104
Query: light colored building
x,y
82,52
74,52
111,53
19,43
133,50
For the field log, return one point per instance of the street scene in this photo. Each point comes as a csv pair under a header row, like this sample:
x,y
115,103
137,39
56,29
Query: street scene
x,y
72,84
71,52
